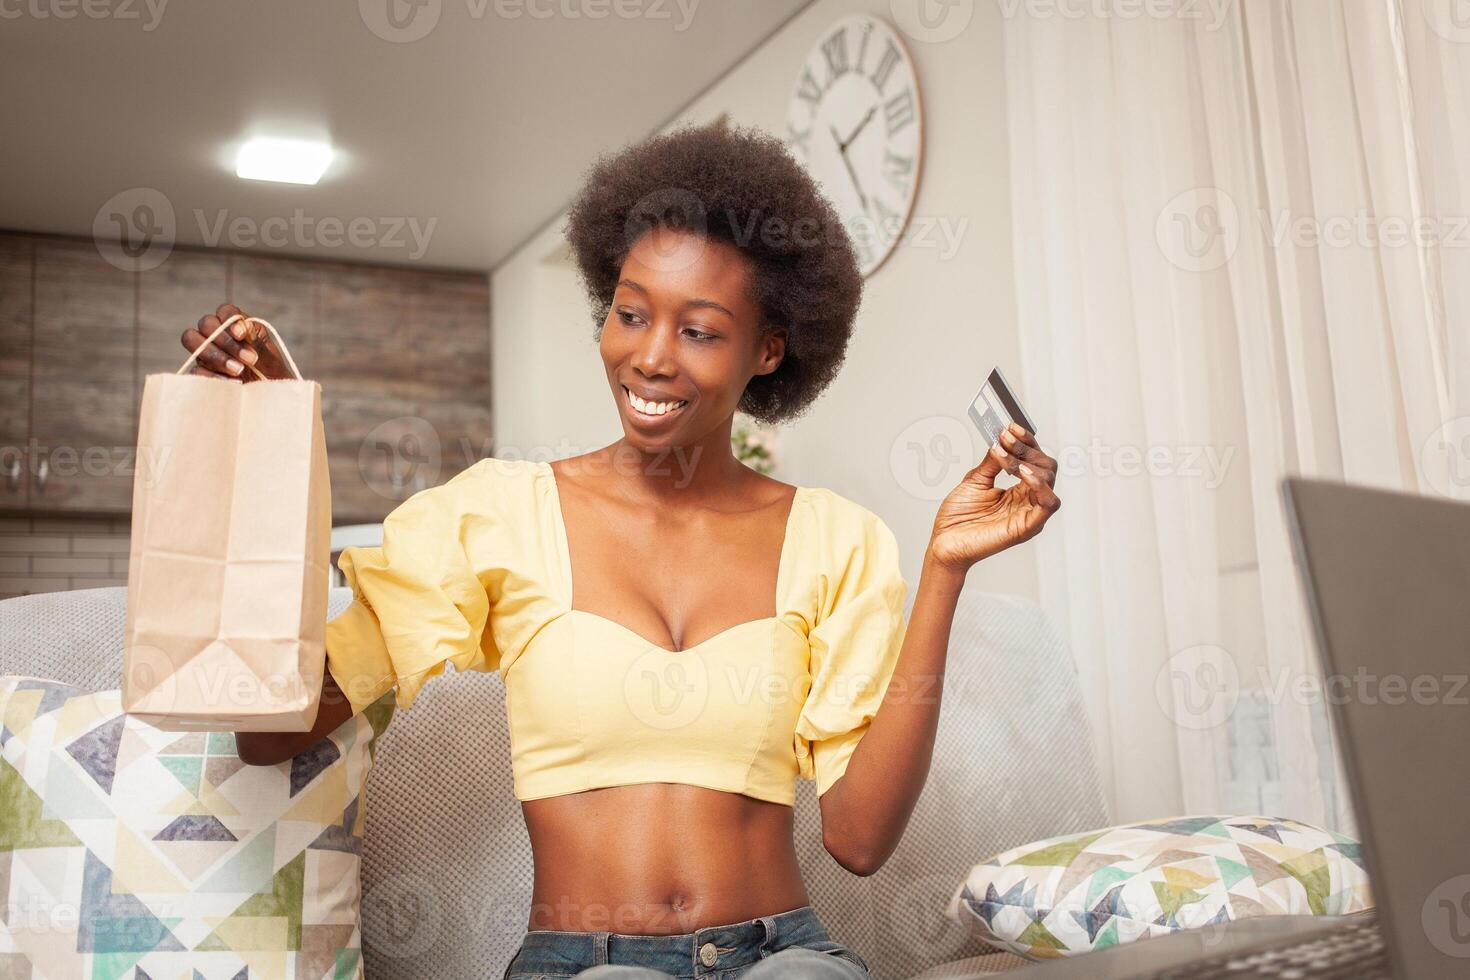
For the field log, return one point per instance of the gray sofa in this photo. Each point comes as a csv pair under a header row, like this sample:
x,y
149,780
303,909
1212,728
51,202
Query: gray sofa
x,y
447,868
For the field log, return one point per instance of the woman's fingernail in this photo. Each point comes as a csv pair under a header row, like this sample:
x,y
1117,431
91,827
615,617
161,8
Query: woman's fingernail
x,y
249,356
235,366
238,330
1027,470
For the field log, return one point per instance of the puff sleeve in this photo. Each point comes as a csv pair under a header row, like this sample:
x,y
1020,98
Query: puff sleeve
x,y
417,601
854,642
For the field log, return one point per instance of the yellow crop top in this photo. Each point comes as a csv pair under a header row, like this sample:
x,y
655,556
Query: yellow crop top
x,y
476,572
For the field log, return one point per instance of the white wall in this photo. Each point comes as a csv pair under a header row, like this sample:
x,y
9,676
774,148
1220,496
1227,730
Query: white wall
x,y
935,318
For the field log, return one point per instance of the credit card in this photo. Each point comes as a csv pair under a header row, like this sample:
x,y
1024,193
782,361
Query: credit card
x,y
997,407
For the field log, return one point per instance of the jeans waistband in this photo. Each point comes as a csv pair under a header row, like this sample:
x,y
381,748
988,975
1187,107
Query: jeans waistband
x,y
691,954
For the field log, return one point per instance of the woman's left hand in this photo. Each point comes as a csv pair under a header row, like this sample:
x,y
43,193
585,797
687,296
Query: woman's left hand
x,y
976,520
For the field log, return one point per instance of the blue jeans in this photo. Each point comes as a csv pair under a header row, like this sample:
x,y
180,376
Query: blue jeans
x,y
791,945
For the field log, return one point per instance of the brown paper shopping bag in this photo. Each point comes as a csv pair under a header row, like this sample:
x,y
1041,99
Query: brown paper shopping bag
x,y
231,543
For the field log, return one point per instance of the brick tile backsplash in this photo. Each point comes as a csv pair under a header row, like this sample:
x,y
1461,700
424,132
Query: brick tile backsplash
x,y
54,554
77,564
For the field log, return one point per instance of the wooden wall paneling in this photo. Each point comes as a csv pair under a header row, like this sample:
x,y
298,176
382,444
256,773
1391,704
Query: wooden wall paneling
x,y
402,354
362,332
448,318
15,371
374,454
281,291
464,432
366,367
172,298
83,397
448,321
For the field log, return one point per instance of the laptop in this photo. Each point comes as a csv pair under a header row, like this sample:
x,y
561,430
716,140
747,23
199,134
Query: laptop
x,y
1387,577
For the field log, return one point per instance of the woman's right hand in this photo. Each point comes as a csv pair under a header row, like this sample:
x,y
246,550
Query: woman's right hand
x,y
231,354
273,748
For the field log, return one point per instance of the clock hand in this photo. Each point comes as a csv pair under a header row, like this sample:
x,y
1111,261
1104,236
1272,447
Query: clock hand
x,y
859,129
852,174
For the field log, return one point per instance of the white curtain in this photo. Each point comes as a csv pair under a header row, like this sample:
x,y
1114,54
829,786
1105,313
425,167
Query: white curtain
x,y
1242,252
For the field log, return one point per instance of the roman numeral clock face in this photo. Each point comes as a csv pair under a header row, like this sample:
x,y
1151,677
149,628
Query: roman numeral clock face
x,y
855,120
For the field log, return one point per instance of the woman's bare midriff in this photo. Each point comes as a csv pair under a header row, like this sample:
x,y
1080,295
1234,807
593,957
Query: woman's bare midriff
x,y
659,859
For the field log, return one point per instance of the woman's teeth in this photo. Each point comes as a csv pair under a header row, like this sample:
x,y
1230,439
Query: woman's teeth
x,y
653,408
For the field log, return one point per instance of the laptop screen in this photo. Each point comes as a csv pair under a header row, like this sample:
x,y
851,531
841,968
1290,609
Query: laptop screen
x,y
1388,578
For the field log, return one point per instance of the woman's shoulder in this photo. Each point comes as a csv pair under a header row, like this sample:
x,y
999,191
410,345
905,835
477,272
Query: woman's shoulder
x,y
847,552
487,487
841,538
495,468
492,471
834,511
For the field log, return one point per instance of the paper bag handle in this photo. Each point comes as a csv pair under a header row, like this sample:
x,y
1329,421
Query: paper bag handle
x,y
208,341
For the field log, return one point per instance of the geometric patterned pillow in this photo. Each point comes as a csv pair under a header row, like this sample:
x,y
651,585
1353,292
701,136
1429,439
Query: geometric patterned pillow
x,y
126,851
1073,894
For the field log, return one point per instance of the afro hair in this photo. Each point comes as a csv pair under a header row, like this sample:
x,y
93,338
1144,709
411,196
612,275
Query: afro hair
x,y
741,186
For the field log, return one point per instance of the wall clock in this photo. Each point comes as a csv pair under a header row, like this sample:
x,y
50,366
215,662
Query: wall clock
x,y
856,121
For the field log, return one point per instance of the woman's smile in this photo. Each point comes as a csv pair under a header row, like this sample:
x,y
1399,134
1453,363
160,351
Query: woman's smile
x,y
651,411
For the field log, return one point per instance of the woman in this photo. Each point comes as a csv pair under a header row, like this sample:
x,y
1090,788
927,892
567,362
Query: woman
x,y
659,716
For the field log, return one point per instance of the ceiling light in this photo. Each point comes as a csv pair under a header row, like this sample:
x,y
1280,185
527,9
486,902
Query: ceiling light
x,y
287,161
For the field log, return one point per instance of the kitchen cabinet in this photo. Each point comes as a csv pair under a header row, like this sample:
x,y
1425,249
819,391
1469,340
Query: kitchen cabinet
x,y
15,371
402,355
282,292
404,362
84,395
172,298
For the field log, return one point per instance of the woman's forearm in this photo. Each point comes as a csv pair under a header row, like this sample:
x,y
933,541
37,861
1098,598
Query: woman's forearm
x,y
273,748
865,812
